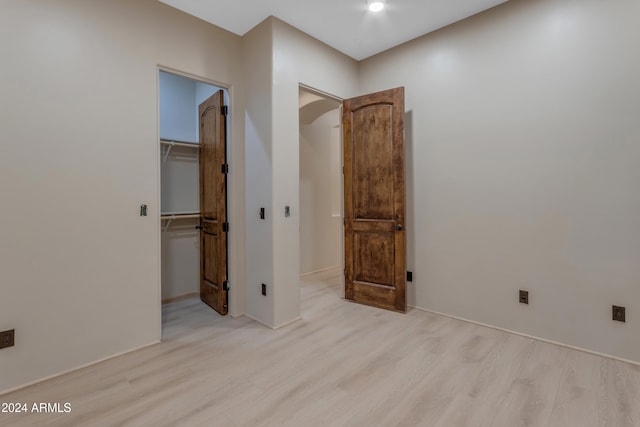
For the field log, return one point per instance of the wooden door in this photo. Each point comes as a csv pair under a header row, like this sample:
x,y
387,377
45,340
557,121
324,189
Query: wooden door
x,y
374,199
213,200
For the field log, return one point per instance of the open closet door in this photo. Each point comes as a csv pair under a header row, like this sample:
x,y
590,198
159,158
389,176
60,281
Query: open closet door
x,y
213,201
374,199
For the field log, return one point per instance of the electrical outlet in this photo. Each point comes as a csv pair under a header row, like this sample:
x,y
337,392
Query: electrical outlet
x,y
264,289
524,297
7,338
618,313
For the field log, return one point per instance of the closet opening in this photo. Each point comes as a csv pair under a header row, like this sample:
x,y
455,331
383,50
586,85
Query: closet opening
x,y
321,228
193,116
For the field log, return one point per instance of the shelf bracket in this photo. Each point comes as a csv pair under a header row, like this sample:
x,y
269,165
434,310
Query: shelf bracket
x,y
168,223
167,151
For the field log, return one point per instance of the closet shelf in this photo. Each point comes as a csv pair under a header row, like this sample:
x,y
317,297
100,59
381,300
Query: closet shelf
x,y
171,144
171,216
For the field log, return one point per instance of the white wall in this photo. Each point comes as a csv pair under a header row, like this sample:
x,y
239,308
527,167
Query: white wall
x,y
177,96
297,58
180,181
180,247
79,268
257,50
320,176
180,259
523,143
179,173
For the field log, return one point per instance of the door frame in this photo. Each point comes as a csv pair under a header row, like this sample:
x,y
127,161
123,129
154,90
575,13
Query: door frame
x,y
232,243
322,93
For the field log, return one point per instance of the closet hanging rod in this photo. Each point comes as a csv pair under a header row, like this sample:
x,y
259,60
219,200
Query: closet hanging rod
x,y
171,144
171,217
179,143
179,216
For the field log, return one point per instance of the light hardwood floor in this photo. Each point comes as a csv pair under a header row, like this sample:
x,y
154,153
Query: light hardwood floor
x,y
342,365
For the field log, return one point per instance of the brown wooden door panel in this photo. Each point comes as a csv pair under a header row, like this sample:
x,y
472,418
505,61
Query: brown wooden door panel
x,y
373,249
374,187
210,251
208,160
366,293
370,225
372,163
213,239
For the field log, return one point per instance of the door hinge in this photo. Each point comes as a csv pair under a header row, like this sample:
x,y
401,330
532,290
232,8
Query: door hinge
x,y
225,227
225,285
225,110
225,168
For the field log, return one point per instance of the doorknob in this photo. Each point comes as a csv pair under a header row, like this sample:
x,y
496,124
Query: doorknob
x,y
399,227
199,227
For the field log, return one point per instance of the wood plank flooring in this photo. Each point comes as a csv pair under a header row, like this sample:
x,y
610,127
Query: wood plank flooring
x,y
344,364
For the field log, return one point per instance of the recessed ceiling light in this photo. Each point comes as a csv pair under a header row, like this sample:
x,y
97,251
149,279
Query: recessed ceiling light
x,y
375,5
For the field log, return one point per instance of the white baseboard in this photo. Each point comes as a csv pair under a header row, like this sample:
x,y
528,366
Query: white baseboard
x,y
274,327
77,368
180,298
287,323
533,337
320,271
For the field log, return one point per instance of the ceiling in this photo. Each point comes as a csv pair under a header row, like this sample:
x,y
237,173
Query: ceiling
x,y
346,25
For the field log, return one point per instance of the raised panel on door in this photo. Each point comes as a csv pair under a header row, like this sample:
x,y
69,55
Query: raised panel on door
x,y
375,260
